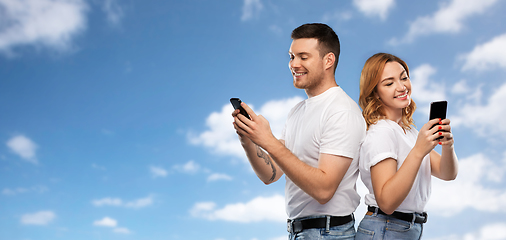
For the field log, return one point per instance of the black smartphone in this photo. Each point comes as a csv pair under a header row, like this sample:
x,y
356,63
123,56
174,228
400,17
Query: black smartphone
x,y
236,102
438,110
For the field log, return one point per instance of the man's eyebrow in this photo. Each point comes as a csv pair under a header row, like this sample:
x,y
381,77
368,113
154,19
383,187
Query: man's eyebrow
x,y
299,53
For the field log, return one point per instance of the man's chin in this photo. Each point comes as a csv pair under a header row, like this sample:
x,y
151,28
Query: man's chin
x,y
299,85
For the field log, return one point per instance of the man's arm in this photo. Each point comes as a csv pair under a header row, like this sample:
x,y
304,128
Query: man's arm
x,y
319,182
263,165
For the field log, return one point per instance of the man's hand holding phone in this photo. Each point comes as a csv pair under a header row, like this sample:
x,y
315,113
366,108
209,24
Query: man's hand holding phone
x,y
254,127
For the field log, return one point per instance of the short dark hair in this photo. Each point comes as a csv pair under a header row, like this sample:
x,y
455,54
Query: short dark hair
x,y
327,38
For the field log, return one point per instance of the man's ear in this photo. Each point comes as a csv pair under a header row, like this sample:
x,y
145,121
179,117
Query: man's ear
x,y
329,60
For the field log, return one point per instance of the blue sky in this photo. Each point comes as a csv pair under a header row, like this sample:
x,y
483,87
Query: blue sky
x,y
115,117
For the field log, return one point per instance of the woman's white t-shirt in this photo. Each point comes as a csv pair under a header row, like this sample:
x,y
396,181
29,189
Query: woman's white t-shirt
x,y
386,139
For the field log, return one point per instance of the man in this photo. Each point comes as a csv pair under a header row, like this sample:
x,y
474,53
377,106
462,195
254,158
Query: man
x,y
318,149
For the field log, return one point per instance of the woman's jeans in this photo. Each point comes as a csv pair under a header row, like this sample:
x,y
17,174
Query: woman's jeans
x,y
379,226
341,232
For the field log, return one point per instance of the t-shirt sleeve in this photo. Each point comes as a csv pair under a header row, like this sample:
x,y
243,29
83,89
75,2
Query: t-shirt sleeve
x,y
283,132
379,145
342,134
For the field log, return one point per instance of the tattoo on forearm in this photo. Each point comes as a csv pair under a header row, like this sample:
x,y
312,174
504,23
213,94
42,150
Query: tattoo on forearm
x,y
268,161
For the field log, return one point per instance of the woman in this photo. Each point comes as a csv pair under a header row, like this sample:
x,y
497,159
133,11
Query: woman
x,y
396,161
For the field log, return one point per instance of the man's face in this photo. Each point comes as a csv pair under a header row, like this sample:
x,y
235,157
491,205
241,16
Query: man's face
x,y
306,64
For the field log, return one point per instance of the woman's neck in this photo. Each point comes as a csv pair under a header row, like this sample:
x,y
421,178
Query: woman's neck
x,y
394,115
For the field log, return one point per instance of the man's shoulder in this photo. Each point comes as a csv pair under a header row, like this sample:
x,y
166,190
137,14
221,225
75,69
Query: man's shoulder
x,y
341,101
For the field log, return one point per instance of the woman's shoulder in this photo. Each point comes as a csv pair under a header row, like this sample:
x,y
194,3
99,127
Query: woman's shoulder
x,y
382,125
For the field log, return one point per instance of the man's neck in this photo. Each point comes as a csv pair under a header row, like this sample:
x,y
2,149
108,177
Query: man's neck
x,y
325,85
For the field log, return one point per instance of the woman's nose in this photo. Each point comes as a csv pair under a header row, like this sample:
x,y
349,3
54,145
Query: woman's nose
x,y
400,86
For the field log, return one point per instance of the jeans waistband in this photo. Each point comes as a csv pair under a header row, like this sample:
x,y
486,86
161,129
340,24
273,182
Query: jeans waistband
x,y
408,217
296,225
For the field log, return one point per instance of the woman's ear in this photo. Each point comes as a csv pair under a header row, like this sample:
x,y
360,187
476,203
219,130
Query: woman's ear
x,y
376,95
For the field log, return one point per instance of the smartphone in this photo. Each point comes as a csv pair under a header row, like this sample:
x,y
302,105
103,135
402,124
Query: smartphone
x,y
236,102
438,110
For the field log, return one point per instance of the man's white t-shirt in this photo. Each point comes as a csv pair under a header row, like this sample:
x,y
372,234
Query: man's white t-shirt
x,y
329,123
386,139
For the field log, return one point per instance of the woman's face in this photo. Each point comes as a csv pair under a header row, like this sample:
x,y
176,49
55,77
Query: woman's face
x,y
394,90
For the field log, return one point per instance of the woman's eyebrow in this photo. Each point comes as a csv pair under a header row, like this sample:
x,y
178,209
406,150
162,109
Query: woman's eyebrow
x,y
387,78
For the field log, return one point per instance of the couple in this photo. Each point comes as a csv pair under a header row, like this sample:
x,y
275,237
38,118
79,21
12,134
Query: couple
x,y
324,145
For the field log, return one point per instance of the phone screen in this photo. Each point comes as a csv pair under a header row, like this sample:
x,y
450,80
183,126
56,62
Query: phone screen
x,y
438,110
236,103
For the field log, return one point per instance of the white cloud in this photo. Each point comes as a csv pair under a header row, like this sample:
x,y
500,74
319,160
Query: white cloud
x,y
113,11
218,176
111,223
24,147
257,210
19,190
466,92
108,202
424,89
106,222
487,56
118,202
337,16
157,171
140,203
276,30
48,23
461,87
38,218
276,112
221,136
471,189
494,231
279,238
485,119
122,230
250,9
374,8
448,19
191,167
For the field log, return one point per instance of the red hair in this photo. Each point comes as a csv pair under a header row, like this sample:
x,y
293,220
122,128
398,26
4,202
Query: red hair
x,y
372,107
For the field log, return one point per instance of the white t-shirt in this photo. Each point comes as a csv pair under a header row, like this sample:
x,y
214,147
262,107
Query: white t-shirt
x,y
330,123
386,139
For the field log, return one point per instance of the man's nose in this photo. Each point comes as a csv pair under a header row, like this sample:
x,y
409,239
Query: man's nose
x,y
294,63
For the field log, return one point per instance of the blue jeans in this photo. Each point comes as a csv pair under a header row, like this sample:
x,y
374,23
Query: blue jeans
x,y
379,226
345,231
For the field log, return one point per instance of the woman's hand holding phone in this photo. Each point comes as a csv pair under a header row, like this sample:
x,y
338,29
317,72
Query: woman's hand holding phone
x,y
426,140
438,111
445,133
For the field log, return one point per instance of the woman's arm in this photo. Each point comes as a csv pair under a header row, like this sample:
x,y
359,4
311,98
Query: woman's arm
x,y
392,186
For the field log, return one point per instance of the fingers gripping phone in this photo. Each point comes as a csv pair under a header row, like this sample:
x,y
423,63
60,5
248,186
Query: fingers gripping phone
x,y
236,102
438,110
